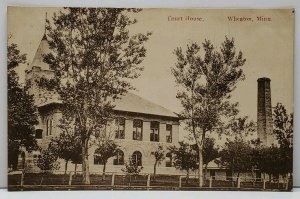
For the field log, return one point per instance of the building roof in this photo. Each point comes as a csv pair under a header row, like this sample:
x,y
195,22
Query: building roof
x,y
214,164
134,103
129,103
38,59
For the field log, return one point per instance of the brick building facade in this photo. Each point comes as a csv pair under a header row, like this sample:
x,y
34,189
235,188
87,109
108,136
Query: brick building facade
x,y
140,125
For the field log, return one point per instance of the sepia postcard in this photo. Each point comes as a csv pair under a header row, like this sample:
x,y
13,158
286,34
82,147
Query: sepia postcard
x,y
150,99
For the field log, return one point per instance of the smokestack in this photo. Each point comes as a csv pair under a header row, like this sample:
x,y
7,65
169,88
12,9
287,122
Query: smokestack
x,y
264,112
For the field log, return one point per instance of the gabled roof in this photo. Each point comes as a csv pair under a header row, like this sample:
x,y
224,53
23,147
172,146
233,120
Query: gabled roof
x,y
130,103
43,49
214,164
134,103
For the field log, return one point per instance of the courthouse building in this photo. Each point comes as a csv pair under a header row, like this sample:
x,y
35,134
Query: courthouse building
x,y
140,125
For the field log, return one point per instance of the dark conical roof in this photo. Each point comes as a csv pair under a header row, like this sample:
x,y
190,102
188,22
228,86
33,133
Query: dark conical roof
x,y
43,49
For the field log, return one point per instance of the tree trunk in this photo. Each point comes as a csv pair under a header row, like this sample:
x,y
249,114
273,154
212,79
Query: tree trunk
x,y
66,166
232,175
85,163
154,174
103,172
205,173
253,176
187,176
200,170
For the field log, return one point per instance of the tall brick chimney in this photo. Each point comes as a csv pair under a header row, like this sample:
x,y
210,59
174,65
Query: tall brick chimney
x,y
264,112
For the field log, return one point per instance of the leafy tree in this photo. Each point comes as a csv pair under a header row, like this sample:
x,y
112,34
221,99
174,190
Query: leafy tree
x,y
47,161
93,58
278,159
76,158
273,161
132,169
67,146
284,131
159,155
236,156
283,126
106,148
206,80
185,158
21,110
241,127
237,153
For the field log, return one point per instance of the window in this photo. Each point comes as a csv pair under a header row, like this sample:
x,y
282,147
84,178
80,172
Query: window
x,y
168,160
119,158
137,129
120,131
154,135
38,133
169,133
49,125
137,158
97,157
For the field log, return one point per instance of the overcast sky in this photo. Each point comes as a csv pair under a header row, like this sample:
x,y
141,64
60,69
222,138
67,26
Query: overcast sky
x,y
267,46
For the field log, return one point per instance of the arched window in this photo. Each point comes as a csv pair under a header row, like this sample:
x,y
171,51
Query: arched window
x,y
168,160
119,158
137,158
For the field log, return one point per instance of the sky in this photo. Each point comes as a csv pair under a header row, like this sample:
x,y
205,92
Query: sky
x,y
266,45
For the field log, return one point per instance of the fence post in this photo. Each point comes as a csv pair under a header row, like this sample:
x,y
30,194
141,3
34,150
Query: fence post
x,y
180,181
210,182
70,178
239,182
22,180
113,180
148,181
264,184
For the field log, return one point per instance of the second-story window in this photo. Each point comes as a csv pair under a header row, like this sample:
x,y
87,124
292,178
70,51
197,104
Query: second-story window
x,y
120,131
169,133
154,134
137,129
49,125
